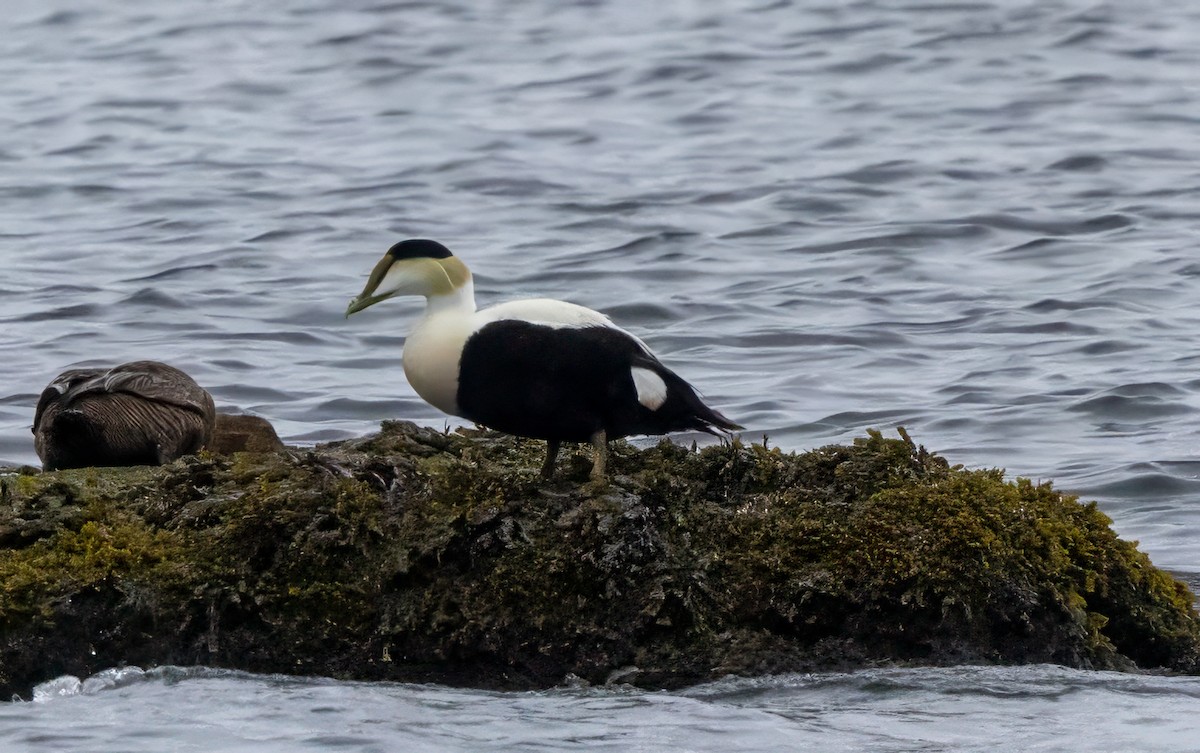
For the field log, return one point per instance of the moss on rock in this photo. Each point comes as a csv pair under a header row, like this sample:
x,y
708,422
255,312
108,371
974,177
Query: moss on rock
x,y
419,555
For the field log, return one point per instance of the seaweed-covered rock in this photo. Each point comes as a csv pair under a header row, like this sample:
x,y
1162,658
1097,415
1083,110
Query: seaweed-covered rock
x,y
418,555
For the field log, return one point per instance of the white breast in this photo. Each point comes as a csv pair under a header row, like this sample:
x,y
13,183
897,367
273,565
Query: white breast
x,y
431,355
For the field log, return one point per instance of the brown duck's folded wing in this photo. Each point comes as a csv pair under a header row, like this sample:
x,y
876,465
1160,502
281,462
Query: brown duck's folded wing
x,y
155,381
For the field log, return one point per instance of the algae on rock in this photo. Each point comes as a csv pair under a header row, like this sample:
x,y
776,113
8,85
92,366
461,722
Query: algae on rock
x,y
418,555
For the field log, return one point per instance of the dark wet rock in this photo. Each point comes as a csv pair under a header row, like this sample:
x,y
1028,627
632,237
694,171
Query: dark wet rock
x,y
241,432
423,556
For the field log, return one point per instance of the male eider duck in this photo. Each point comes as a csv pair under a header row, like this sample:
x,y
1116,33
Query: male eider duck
x,y
536,368
138,413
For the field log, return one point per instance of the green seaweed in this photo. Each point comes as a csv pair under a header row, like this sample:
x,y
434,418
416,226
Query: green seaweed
x,y
415,554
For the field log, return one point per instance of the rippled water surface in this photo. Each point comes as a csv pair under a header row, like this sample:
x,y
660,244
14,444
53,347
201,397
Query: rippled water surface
x,y
961,710
977,220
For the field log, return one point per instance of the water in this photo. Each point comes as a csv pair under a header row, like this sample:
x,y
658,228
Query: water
x,y
964,710
976,220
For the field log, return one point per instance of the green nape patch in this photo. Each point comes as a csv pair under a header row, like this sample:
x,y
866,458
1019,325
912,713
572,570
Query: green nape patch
x,y
421,555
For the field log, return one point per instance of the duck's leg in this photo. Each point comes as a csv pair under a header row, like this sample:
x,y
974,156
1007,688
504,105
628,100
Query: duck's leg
x,y
551,454
600,444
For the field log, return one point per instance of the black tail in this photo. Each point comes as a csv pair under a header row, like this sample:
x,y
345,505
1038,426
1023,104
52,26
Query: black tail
x,y
683,408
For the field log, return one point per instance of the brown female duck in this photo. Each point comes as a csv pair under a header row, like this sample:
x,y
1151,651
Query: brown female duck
x,y
138,413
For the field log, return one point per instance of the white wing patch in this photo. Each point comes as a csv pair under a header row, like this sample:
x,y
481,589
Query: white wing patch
x,y
651,389
545,311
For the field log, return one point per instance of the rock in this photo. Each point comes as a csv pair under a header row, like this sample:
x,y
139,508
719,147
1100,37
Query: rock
x,y
418,555
241,432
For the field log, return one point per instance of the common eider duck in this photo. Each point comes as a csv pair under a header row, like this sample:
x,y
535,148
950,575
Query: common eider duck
x,y
138,413
537,368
